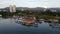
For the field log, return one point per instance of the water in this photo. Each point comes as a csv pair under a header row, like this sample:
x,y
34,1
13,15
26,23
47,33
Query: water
x,y
9,26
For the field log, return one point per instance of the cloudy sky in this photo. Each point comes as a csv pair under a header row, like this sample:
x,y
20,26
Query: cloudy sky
x,y
30,3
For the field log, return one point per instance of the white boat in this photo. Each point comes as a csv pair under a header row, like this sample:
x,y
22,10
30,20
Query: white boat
x,y
20,19
0,15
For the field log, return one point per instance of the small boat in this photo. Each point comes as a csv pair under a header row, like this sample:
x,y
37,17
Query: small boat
x,y
27,21
56,21
0,15
42,19
20,19
54,25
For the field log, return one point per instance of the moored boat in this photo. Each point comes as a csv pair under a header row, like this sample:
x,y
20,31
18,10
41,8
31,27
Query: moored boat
x,y
27,21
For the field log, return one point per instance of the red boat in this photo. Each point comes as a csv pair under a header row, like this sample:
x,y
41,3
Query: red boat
x,y
28,21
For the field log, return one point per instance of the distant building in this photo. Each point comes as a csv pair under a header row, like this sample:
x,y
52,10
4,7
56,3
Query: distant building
x,y
45,9
22,9
53,10
0,10
12,8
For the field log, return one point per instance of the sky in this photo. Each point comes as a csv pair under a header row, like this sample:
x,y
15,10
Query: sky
x,y
30,3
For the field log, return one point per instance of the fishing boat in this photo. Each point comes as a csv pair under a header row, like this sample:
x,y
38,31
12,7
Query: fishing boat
x,y
20,19
27,21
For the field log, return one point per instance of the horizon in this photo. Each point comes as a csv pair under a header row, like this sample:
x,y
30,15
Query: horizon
x,y
32,7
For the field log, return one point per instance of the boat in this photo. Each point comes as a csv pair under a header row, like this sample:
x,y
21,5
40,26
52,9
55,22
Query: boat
x,y
20,19
0,15
27,21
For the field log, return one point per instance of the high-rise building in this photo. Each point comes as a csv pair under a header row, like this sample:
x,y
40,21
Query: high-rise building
x,y
12,8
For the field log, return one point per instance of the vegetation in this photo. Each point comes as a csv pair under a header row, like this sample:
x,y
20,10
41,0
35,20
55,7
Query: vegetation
x,y
48,14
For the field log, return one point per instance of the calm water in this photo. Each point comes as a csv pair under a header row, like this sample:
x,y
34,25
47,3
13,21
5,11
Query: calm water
x,y
9,26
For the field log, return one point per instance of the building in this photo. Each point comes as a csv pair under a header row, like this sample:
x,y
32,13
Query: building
x,y
12,8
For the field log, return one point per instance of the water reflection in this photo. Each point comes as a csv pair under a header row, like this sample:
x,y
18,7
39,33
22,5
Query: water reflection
x,y
37,22
31,25
40,26
54,25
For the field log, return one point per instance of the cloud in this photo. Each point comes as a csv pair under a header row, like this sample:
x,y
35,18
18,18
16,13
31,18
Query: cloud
x,y
4,3
30,3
